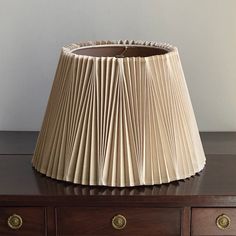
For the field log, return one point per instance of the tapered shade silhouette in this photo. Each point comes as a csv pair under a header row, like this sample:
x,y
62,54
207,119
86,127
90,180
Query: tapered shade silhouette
x,y
119,114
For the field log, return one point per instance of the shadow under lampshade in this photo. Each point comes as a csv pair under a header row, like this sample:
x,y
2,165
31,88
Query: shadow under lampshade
x,y
119,114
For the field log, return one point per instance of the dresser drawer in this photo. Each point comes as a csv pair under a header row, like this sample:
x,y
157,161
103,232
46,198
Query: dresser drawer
x,y
118,221
25,221
213,221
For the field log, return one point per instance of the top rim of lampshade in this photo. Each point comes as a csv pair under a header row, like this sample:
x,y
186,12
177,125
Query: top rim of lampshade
x,y
71,48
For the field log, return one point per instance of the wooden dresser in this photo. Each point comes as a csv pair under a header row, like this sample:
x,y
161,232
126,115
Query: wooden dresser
x,y
32,204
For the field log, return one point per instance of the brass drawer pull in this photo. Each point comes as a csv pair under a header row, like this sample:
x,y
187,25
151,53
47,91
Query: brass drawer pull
x,y
119,222
223,221
14,221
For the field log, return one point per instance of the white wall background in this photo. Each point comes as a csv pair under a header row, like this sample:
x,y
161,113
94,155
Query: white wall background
x,y
32,33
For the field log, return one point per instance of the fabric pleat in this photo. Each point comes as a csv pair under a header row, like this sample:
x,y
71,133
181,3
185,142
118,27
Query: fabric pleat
x,y
119,121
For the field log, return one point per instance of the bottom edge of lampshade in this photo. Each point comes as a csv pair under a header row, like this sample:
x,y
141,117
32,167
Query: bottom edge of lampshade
x,y
144,183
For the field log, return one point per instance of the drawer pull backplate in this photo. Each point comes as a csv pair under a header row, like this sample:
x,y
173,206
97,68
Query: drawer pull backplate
x,y
118,222
15,221
223,221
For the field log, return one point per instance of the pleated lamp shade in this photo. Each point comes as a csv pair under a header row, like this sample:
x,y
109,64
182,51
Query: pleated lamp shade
x,y
119,114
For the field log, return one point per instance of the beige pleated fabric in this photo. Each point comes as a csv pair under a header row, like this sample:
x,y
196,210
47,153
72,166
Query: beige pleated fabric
x,y
119,121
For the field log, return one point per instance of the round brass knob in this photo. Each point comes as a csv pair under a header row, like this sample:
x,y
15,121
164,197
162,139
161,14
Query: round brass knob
x,y
15,221
223,221
119,222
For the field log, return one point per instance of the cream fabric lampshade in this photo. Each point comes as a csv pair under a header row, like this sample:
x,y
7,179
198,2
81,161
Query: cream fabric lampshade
x,y
119,114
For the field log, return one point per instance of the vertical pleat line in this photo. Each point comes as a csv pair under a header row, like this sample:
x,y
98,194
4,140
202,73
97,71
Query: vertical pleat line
x,y
55,118
185,126
79,174
109,147
37,158
130,128
94,159
72,112
81,119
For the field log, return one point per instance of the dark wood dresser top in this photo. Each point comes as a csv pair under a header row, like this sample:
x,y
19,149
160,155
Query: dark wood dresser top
x,y
215,185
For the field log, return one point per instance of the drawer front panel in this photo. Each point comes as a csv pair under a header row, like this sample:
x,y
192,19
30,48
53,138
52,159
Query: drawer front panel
x,y
118,221
22,221
213,221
